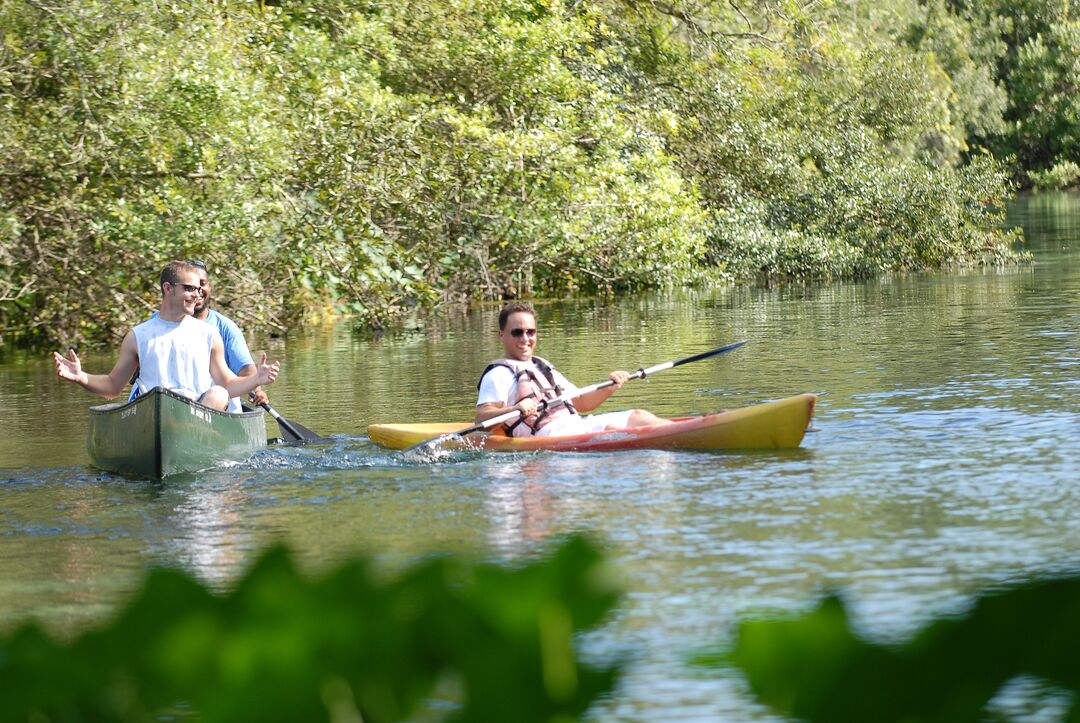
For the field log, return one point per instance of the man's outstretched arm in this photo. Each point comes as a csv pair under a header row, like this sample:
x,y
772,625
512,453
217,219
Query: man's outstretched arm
x,y
104,385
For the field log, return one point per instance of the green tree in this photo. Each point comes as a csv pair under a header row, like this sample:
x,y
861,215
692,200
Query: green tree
x,y
378,160
1045,99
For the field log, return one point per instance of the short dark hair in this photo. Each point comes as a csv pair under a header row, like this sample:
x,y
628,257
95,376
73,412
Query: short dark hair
x,y
514,308
171,273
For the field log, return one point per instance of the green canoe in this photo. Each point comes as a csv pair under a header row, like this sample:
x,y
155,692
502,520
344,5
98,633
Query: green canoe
x,y
163,433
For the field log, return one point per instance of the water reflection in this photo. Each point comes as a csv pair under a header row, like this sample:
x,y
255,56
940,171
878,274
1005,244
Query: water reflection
x,y
549,494
521,506
213,539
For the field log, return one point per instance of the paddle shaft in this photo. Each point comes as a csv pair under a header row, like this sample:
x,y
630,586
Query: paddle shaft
x,y
282,421
568,396
639,374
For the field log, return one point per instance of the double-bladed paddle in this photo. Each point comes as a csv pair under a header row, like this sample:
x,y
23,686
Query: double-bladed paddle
x,y
293,432
567,396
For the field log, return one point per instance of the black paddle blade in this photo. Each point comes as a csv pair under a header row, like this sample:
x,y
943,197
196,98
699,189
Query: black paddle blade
x,y
712,352
296,433
293,432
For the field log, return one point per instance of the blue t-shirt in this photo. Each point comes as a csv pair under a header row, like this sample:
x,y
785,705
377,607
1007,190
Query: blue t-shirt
x,y
237,354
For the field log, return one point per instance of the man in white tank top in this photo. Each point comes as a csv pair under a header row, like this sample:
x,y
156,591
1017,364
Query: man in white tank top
x,y
173,350
237,355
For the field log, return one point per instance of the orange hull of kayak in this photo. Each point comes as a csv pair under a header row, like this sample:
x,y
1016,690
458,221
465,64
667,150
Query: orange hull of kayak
x,y
772,425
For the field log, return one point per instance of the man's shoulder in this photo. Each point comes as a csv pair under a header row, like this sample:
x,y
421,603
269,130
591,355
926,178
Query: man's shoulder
x,y
513,366
498,373
511,363
156,326
154,323
499,366
541,363
152,318
222,322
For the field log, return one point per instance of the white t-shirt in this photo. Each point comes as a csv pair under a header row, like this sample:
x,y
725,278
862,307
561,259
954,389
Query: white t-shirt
x,y
498,384
237,354
176,355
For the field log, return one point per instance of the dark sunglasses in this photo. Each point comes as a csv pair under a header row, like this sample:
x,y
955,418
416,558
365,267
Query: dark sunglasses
x,y
197,262
517,333
187,287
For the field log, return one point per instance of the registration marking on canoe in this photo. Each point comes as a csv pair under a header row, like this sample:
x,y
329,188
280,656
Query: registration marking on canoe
x,y
201,414
130,412
616,436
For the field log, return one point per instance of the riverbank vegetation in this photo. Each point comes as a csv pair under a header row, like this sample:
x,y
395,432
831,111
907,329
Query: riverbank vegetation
x,y
379,159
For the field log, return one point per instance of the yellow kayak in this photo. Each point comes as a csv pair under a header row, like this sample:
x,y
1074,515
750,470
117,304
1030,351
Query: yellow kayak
x,y
772,425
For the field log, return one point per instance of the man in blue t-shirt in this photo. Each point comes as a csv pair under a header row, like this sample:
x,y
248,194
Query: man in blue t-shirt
x,y
237,355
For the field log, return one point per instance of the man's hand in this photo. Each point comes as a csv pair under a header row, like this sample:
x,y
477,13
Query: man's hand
x,y
69,369
619,377
268,372
527,407
258,397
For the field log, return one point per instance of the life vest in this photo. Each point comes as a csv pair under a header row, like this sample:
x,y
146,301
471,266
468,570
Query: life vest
x,y
530,385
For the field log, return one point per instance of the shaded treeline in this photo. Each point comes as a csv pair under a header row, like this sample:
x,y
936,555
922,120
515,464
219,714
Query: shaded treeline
x,y
366,158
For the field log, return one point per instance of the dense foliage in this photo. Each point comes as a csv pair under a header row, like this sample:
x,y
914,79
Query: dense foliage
x,y
815,668
367,158
490,643
1015,72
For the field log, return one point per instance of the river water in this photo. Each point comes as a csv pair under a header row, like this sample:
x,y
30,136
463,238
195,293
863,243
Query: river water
x,y
944,462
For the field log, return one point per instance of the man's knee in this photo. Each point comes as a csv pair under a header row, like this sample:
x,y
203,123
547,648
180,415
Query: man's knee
x,y
216,398
645,418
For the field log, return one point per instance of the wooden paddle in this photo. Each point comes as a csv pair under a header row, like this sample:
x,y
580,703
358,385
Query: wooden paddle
x,y
567,396
293,432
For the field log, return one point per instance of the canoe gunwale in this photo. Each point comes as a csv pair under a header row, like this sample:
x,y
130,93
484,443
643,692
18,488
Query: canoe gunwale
x,y
112,407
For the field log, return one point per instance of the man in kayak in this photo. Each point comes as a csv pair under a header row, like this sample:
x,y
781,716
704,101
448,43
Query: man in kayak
x,y
173,350
237,356
521,380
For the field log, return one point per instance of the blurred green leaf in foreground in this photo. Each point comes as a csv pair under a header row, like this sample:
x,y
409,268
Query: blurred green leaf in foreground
x,y
348,646
815,668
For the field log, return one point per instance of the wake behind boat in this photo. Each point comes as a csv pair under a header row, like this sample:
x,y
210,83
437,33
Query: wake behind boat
x,y
773,425
162,433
